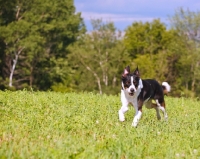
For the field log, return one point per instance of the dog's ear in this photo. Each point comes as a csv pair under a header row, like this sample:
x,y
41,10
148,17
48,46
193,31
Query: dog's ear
x,y
136,72
126,71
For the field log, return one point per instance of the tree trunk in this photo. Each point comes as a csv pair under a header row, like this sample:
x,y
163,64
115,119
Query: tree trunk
x,y
13,66
95,75
31,77
114,81
13,69
97,78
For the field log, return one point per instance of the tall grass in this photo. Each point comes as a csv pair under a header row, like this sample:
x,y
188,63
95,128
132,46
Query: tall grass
x,y
85,125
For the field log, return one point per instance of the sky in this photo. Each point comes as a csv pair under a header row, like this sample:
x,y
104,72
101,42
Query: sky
x,y
124,12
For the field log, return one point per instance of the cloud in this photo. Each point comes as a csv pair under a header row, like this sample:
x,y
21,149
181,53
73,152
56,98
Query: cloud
x,y
132,6
121,21
124,12
114,17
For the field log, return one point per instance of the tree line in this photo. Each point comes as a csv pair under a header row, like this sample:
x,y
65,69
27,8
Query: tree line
x,y
44,45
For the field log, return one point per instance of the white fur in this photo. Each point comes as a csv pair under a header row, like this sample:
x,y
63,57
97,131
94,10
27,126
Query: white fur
x,y
136,118
126,99
132,86
167,86
158,113
162,109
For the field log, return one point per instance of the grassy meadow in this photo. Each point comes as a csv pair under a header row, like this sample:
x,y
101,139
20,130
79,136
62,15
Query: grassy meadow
x,y
85,125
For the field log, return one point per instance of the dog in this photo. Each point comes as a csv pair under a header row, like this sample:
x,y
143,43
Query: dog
x,y
137,92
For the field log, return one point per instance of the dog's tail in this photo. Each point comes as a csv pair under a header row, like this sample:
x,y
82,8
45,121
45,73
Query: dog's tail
x,y
166,88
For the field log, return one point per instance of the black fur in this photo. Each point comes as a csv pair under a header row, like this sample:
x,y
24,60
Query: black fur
x,y
151,90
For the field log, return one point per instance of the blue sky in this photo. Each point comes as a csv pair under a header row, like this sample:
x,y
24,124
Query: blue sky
x,y
124,12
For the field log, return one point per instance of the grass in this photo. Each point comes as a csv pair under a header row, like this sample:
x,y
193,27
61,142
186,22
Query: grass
x,y
85,125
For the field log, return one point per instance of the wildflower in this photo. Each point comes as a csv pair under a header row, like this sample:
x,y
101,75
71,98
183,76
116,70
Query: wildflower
x,y
177,155
48,137
195,151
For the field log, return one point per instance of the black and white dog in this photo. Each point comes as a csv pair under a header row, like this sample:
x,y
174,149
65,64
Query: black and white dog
x,y
137,92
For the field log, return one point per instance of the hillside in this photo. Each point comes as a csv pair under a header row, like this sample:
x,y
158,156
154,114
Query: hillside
x,y
86,125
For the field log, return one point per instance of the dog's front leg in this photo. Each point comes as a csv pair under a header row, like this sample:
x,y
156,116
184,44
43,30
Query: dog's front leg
x,y
123,110
124,107
138,114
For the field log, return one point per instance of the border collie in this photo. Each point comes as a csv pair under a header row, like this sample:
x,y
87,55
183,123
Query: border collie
x,y
137,92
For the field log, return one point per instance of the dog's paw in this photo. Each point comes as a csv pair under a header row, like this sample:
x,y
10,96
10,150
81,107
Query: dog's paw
x,y
158,117
134,124
121,118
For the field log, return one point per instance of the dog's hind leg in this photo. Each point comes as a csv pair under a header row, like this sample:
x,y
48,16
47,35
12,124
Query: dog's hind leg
x,y
158,113
150,105
161,106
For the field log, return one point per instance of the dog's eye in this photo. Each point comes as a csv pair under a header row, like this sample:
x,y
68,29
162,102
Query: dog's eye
x,y
127,84
135,83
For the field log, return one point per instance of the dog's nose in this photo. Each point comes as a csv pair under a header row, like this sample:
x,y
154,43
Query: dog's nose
x,y
132,90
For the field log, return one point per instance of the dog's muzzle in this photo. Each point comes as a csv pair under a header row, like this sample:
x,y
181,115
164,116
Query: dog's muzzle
x,y
131,93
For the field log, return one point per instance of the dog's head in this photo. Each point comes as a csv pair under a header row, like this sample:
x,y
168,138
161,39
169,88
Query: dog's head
x,y
130,81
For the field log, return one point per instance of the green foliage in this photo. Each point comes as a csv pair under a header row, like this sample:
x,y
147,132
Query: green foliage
x,y
43,45
144,38
151,47
98,57
187,24
60,87
168,55
7,11
36,35
146,66
85,125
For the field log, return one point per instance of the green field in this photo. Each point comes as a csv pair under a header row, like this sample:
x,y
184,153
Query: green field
x,y
85,125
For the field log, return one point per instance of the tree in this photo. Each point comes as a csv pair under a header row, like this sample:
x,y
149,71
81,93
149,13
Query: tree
x,y
149,45
144,38
187,23
101,53
34,39
17,36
